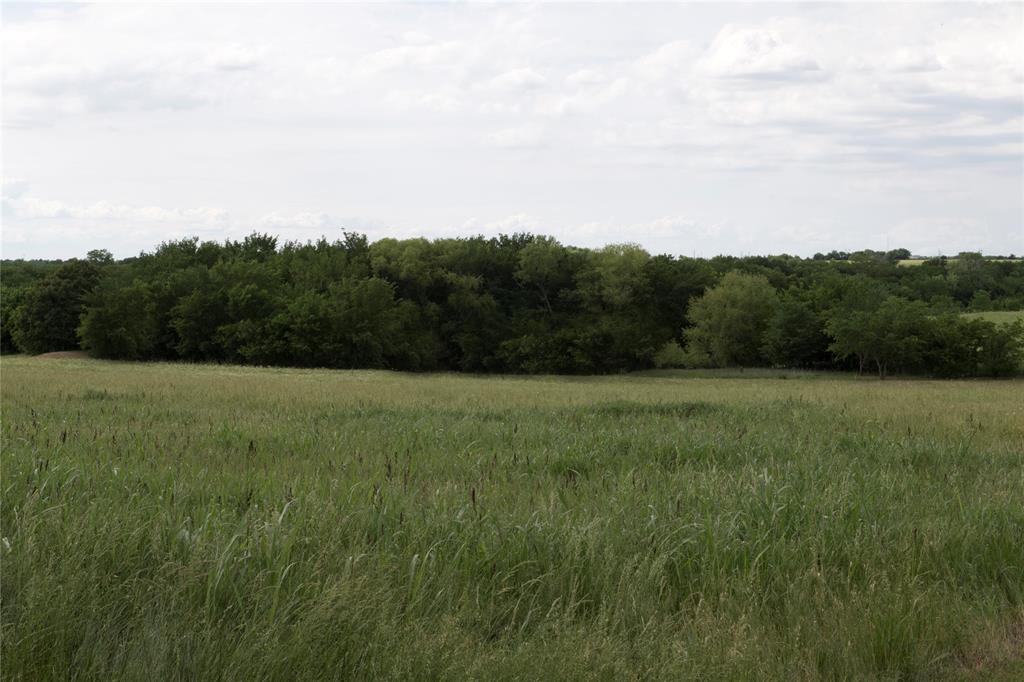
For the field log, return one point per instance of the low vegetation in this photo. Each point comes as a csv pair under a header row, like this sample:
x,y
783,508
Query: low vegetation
x,y
173,521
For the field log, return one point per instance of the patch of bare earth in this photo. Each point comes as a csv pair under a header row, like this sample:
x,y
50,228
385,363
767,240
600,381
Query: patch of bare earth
x,y
64,355
997,655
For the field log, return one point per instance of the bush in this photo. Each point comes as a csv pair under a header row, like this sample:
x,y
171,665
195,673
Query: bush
x,y
670,356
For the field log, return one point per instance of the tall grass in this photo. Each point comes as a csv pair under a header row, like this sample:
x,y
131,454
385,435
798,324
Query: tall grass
x,y
186,522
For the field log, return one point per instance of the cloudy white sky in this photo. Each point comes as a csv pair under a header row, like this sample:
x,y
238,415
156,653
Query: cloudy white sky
x,y
690,128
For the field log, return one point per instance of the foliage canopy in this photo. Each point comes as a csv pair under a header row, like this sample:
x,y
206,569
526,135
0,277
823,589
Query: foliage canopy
x,y
513,303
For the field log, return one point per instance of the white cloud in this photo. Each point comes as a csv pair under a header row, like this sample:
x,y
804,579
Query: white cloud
x,y
756,53
523,137
914,60
444,99
519,222
778,122
94,60
412,56
14,188
296,221
585,77
669,62
67,229
517,80
234,58
20,205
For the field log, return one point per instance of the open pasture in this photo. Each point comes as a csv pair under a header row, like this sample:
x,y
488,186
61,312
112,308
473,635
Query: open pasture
x,y
215,522
998,316
911,262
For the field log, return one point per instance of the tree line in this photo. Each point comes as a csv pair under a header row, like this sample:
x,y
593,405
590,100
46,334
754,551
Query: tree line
x,y
517,303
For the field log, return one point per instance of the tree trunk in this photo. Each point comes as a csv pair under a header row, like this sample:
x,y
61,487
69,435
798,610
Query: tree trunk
x,y
547,303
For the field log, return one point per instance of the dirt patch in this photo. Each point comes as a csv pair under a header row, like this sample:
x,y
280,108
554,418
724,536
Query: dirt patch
x,y
64,355
995,654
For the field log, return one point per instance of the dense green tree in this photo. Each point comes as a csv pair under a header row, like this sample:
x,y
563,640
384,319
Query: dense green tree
x,y
542,266
898,332
411,265
195,319
1000,348
49,315
100,257
367,329
613,328
515,303
11,299
795,336
473,323
614,277
254,332
897,255
120,322
729,320
970,274
258,246
891,336
848,331
673,283
21,274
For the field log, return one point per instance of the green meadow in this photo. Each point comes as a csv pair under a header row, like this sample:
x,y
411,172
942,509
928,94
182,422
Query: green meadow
x,y
998,316
911,262
202,522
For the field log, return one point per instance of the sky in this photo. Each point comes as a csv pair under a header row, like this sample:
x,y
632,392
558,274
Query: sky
x,y
691,129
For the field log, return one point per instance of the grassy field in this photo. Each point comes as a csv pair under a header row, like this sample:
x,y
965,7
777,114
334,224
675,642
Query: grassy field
x,y
999,316
167,522
911,262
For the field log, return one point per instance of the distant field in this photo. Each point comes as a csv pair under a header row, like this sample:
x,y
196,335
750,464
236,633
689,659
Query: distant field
x,y
999,316
917,261
216,522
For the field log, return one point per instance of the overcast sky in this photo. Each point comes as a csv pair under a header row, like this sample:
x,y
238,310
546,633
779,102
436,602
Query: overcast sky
x,y
689,128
